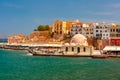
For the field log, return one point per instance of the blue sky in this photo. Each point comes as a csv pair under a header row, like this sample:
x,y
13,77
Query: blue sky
x,y
23,16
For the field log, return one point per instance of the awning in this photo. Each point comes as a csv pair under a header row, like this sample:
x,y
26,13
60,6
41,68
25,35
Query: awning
x,y
112,48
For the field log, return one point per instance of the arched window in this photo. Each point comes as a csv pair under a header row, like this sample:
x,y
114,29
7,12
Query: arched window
x,y
84,49
78,49
60,32
66,49
72,49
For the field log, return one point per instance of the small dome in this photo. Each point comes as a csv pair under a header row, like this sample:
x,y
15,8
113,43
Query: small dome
x,y
66,44
72,44
79,39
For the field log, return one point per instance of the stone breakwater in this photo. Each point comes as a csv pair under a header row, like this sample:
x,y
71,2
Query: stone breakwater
x,y
13,47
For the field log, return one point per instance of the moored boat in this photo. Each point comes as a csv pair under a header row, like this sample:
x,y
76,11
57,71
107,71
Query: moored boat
x,y
100,56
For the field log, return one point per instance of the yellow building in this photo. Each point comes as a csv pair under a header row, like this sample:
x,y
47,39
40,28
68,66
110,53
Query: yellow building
x,y
59,27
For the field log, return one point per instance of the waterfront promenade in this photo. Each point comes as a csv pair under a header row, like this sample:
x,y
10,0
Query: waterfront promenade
x,y
96,53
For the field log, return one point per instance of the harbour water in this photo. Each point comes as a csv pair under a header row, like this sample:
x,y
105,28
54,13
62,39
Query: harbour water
x,y
19,65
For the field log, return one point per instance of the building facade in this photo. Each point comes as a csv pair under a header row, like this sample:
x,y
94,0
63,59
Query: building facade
x,y
82,28
101,30
17,39
78,46
115,35
88,30
76,29
59,27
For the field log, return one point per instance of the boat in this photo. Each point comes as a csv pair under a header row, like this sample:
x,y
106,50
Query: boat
x,y
100,56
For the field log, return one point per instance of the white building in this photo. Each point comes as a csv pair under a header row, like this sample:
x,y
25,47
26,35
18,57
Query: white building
x,y
78,46
84,29
76,29
101,30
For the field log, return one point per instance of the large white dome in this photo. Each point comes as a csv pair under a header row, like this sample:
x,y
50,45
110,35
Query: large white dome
x,y
79,39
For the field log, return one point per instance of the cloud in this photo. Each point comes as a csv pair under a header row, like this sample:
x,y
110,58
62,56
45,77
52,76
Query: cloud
x,y
104,13
11,5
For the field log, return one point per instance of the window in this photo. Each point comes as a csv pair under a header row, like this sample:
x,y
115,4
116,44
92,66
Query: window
x,y
116,30
78,49
79,29
84,49
66,49
117,35
91,33
112,35
97,27
60,32
97,35
96,30
111,30
87,33
72,49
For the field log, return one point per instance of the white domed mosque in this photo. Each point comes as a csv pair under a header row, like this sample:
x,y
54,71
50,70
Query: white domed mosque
x,y
79,39
78,46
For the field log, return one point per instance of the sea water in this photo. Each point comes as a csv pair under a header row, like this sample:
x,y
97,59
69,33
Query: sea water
x,y
20,65
3,40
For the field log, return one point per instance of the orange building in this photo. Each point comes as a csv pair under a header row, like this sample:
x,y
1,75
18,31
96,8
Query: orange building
x,y
58,27
16,39
63,27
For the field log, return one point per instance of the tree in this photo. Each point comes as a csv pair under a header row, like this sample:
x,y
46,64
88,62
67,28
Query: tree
x,y
42,28
47,27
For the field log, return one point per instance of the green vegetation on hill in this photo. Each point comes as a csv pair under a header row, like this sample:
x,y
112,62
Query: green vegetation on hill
x,y
42,28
